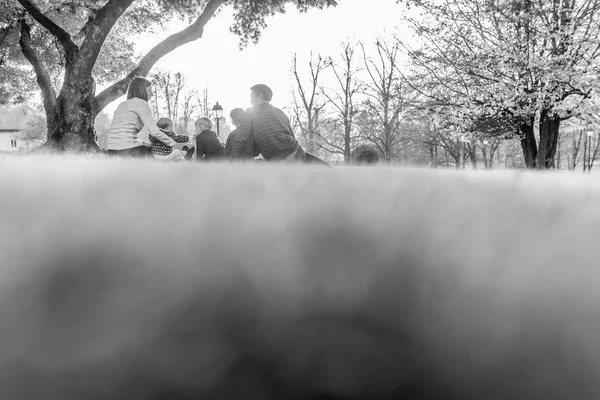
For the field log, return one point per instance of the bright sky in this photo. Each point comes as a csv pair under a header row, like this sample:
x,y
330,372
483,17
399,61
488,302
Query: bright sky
x,y
215,60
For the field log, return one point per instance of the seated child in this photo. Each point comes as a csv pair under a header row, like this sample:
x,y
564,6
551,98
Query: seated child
x,y
160,150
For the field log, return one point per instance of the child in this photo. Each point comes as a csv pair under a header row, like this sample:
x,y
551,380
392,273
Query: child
x,y
160,150
208,145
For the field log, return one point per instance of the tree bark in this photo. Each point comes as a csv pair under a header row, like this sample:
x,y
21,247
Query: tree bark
x,y
528,143
458,155
473,155
347,147
485,157
549,131
75,132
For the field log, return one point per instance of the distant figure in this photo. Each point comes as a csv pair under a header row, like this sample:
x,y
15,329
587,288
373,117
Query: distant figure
x,y
365,154
268,129
161,151
208,145
249,153
130,117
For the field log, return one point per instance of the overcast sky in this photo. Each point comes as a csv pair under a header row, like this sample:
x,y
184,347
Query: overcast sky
x,y
216,61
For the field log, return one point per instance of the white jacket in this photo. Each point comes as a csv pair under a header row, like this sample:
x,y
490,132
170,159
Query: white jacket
x,y
129,119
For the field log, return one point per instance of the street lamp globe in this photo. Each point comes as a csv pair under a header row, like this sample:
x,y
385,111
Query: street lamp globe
x,y
218,111
590,133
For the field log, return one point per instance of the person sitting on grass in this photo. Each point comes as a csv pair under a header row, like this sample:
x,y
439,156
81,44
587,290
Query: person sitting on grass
x,y
249,153
161,151
133,123
268,129
208,145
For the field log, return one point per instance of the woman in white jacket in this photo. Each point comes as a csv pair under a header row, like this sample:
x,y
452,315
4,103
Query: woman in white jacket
x,y
129,119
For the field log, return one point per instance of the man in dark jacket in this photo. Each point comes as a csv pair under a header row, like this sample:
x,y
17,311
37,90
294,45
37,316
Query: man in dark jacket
x,y
208,145
268,129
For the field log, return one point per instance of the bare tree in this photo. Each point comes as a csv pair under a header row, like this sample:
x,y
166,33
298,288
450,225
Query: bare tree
x,y
307,113
178,85
203,104
161,81
576,138
594,155
343,98
385,102
168,88
188,108
593,146
489,148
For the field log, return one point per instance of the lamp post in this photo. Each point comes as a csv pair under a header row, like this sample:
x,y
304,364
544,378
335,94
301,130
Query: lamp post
x,y
218,111
590,134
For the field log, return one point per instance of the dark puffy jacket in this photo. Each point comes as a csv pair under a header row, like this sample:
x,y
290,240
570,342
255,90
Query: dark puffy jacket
x,y
208,146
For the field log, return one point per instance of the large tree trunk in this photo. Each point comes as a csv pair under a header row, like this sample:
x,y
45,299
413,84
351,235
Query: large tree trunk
x,y
549,130
457,155
528,143
75,132
433,152
485,157
75,106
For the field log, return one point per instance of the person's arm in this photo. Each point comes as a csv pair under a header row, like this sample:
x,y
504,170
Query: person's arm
x,y
149,122
241,137
180,138
144,136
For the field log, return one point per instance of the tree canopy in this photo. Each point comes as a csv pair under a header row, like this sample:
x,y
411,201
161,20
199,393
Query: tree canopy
x,y
519,59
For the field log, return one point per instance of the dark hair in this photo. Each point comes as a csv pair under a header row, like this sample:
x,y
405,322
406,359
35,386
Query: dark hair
x,y
236,113
264,90
137,88
164,123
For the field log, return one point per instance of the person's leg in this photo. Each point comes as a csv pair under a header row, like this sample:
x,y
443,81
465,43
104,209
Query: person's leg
x,y
121,153
302,156
141,152
160,157
176,155
296,156
189,152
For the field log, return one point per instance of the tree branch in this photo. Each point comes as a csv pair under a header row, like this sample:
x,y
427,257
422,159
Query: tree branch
x,y
63,36
97,29
189,34
43,77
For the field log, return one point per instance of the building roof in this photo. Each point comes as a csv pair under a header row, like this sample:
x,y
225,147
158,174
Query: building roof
x,y
16,118
8,122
